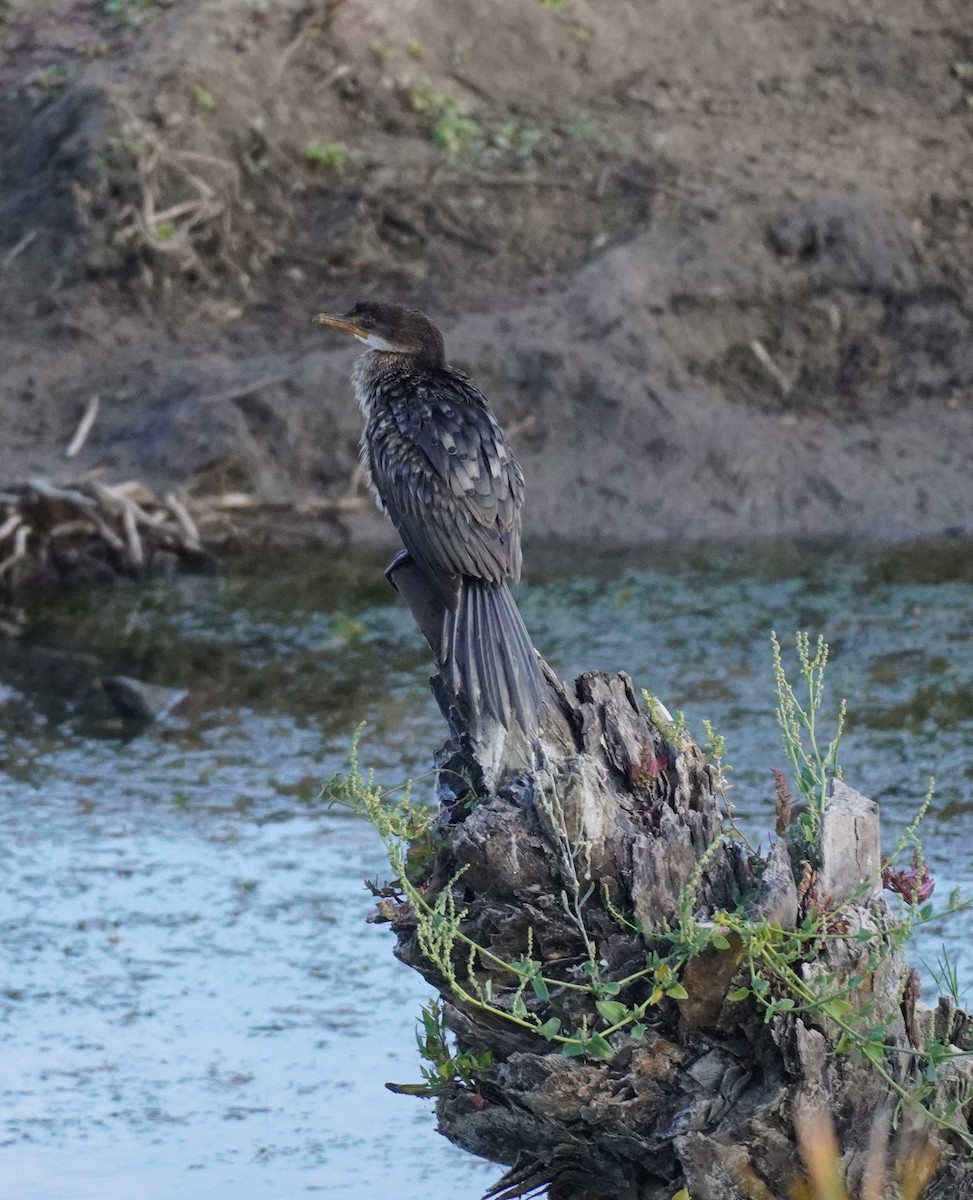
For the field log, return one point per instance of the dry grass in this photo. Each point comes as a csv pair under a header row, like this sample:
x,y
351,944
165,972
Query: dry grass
x,y
904,1175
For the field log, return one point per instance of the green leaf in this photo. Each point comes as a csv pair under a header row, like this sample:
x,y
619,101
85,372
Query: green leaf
x,y
740,994
837,1008
410,1089
573,1049
637,1031
612,1010
720,942
656,996
550,1029
873,1052
609,989
519,1008
540,988
598,1046
677,992
325,154
785,1004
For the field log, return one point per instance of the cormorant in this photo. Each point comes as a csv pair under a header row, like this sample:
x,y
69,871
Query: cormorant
x,y
438,464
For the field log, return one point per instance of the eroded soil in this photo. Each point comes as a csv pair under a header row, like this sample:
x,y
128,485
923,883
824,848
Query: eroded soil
x,y
710,263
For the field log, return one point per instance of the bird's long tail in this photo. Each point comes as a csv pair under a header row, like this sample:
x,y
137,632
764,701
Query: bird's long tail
x,y
489,659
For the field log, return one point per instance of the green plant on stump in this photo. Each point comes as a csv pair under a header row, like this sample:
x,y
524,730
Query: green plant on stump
x,y
517,992
813,769
780,971
441,1065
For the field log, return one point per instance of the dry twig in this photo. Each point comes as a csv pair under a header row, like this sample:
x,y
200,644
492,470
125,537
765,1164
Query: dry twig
x,y
762,355
84,428
17,248
126,526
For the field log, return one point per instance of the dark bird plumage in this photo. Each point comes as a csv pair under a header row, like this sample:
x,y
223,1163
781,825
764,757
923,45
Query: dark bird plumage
x,y
439,465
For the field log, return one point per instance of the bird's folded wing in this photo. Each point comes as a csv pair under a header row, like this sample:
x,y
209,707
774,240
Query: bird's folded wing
x,y
449,480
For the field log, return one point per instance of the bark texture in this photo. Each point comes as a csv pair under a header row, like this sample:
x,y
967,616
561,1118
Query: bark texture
x,y
619,820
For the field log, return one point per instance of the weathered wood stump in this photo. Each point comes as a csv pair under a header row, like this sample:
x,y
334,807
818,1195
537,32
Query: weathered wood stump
x,y
584,858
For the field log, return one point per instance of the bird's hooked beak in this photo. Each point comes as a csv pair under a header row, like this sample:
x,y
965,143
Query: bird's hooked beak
x,y
339,322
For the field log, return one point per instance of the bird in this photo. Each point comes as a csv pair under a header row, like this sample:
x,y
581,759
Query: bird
x,y
437,462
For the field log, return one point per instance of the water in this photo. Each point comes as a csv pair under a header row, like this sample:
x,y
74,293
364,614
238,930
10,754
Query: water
x,y
192,1005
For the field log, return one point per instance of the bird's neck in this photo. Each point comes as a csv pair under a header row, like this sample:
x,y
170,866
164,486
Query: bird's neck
x,y
379,372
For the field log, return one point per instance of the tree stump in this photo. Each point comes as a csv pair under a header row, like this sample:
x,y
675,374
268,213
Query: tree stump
x,y
582,858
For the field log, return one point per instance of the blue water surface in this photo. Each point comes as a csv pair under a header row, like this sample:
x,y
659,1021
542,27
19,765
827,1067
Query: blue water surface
x,y
192,1005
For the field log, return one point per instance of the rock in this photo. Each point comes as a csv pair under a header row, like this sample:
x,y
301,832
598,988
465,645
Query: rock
x,y
776,899
54,680
141,702
851,855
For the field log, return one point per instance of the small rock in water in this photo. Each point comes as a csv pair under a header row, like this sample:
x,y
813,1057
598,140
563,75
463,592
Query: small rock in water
x,y
137,701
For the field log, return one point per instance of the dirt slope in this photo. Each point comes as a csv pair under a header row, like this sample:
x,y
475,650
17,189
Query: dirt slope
x,y
711,263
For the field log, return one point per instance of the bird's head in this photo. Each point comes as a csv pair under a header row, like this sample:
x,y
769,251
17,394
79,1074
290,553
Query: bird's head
x,y
390,329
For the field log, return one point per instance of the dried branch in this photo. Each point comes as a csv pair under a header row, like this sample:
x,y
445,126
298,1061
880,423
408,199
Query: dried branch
x,y
17,249
55,528
84,428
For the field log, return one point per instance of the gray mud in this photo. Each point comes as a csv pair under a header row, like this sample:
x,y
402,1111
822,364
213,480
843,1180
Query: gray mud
x,y
714,273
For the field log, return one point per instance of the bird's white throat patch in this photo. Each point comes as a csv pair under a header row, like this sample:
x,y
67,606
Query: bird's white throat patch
x,y
374,342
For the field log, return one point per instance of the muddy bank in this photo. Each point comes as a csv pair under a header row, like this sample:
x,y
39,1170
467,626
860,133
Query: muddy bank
x,y
713,272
